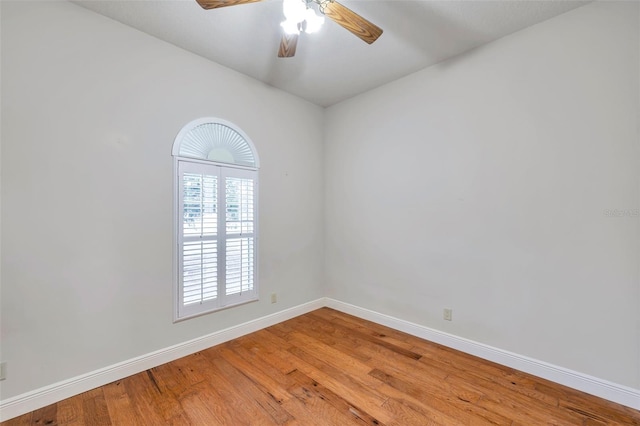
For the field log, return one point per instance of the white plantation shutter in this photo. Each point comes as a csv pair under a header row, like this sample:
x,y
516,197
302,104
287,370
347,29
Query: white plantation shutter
x,y
216,237
200,264
239,229
198,236
216,212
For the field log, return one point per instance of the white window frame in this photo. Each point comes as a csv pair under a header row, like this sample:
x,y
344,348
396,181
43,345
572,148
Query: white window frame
x,y
223,171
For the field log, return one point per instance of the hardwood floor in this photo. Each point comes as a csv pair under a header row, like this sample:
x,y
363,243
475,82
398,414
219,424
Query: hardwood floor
x,y
329,368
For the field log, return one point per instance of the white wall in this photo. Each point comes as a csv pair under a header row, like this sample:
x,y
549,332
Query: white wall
x,y
90,109
481,184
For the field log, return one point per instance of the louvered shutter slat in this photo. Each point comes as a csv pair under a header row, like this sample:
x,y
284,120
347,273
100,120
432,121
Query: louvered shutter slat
x,y
199,269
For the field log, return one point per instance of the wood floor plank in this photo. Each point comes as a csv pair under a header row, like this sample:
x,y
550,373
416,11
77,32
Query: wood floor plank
x,y
328,405
45,416
228,394
328,335
276,347
266,382
95,408
24,420
500,380
330,354
171,383
434,392
330,368
248,388
119,407
198,411
356,385
392,409
359,390
472,368
270,360
71,411
407,412
384,356
379,339
506,403
459,406
595,407
431,382
143,395
396,337
206,390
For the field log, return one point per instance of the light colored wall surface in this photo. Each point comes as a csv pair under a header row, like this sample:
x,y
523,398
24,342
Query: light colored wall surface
x,y
481,184
90,109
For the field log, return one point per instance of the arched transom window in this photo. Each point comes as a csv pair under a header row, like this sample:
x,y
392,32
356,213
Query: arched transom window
x,y
216,200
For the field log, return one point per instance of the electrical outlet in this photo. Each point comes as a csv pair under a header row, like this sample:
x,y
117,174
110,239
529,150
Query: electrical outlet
x,y
447,314
274,298
3,370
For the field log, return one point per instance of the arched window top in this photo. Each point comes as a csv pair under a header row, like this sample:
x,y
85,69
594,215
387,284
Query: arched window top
x,y
215,140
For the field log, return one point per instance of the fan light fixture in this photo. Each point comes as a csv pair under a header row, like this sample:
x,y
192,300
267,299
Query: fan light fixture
x,y
308,16
300,17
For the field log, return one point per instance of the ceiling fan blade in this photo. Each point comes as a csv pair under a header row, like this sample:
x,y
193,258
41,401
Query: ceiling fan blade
x,y
288,45
353,22
213,4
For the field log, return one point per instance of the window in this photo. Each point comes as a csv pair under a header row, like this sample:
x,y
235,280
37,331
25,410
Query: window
x,y
216,180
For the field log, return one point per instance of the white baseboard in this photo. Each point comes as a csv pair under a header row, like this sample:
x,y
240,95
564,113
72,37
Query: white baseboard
x,y
44,396
47,395
592,385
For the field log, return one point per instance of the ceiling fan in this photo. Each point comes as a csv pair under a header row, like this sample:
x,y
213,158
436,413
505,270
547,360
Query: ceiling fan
x,y
301,16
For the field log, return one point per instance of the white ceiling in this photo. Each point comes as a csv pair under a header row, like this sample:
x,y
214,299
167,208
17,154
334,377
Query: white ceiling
x,y
333,64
